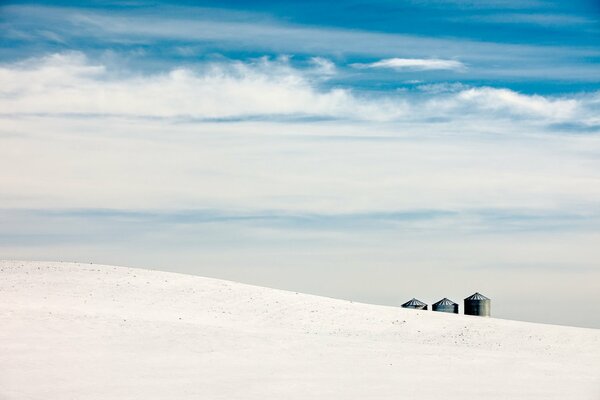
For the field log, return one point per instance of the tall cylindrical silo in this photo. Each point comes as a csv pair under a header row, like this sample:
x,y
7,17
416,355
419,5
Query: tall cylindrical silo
x,y
477,304
416,304
445,305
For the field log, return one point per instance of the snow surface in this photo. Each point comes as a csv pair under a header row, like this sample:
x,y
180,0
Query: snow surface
x,y
82,331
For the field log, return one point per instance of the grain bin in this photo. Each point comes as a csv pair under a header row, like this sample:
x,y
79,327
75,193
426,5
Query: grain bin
x,y
477,304
416,304
445,305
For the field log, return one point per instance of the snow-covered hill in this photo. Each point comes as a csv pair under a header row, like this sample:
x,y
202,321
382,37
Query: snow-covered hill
x,y
81,331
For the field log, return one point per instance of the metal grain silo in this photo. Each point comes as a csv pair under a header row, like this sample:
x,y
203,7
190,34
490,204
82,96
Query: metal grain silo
x,y
445,305
416,304
477,304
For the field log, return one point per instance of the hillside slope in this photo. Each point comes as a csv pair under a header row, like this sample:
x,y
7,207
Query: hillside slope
x,y
81,331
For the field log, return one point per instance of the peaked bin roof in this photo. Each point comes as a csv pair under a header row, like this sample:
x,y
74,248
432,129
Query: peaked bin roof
x,y
477,296
414,303
444,302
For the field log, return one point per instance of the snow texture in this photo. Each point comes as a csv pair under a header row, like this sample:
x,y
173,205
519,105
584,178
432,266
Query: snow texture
x,y
83,331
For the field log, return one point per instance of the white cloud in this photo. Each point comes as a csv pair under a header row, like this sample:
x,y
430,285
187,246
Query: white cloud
x,y
323,65
69,83
267,88
487,103
415,64
504,100
167,158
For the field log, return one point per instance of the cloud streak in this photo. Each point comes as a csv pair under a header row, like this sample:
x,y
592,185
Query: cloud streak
x,y
547,20
414,64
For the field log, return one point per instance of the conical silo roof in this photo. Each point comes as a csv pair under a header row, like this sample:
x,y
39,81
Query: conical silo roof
x,y
413,303
444,302
477,296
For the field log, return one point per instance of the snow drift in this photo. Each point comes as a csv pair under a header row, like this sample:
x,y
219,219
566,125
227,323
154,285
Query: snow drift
x,y
82,331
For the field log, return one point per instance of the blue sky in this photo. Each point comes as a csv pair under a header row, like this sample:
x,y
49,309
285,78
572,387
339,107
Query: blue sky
x,y
375,151
532,46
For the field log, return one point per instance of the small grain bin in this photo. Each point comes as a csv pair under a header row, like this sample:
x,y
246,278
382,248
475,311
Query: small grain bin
x,y
445,305
477,304
416,304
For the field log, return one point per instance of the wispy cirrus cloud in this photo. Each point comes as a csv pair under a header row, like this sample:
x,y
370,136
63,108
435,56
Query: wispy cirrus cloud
x,y
489,4
541,19
194,31
414,64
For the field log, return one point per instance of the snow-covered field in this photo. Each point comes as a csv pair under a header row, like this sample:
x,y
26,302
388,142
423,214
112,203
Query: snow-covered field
x,y
82,331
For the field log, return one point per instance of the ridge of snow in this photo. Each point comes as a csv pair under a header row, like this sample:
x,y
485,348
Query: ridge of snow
x,y
86,331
